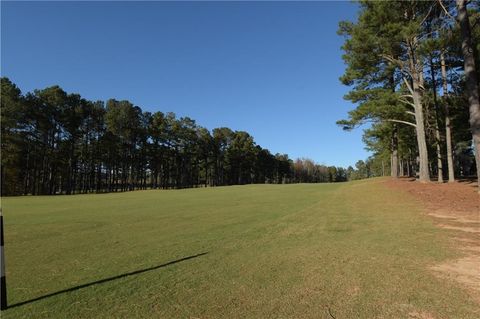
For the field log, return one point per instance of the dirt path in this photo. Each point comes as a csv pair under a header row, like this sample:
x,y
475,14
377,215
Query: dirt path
x,y
453,206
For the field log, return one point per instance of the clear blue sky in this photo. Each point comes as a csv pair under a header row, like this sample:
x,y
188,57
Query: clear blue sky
x,y
269,68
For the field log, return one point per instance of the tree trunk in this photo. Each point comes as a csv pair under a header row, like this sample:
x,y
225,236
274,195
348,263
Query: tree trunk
x,y
424,174
416,90
438,138
408,167
448,127
471,80
394,163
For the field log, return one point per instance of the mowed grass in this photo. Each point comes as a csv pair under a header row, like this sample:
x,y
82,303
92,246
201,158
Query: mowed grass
x,y
350,250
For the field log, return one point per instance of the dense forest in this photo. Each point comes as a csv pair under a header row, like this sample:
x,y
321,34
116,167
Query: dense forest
x,y
59,143
413,69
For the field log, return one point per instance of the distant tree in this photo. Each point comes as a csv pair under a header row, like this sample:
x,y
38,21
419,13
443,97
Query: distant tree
x,y
12,110
54,142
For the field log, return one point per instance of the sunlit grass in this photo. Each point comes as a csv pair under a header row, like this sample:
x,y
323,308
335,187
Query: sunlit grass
x,y
357,250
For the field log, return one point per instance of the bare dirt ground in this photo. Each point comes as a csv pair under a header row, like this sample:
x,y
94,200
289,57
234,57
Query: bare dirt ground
x,y
453,206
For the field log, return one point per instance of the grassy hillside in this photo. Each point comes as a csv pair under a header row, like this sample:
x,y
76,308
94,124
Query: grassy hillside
x,y
356,250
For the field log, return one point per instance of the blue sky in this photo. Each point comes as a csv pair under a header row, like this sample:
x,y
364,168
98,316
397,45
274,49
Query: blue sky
x,y
269,68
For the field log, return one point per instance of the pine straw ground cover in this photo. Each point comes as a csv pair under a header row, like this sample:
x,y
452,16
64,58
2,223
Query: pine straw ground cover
x,y
456,208
349,250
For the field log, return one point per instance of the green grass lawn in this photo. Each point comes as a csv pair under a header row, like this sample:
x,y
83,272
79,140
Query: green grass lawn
x,y
356,250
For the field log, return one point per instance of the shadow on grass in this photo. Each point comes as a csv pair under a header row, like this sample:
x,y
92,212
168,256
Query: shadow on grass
x,y
136,272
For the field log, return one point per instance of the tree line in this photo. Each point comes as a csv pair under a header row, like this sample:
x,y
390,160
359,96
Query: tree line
x,y
413,69
54,142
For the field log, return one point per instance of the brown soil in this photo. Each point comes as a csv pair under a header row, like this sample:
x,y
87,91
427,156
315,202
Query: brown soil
x,y
453,206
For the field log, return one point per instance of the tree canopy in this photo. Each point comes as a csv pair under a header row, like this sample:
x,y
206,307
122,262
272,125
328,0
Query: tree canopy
x,y
404,64
54,142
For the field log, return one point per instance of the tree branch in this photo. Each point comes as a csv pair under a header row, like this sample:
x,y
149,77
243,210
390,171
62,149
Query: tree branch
x,y
445,9
403,122
408,85
428,13
406,102
393,60
405,72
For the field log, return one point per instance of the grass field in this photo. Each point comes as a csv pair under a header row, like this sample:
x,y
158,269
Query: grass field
x,y
350,250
